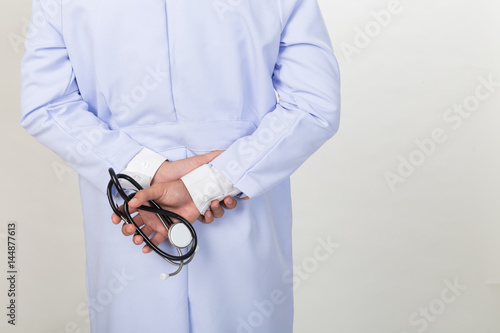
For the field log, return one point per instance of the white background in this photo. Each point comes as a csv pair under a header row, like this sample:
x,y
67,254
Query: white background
x,y
397,246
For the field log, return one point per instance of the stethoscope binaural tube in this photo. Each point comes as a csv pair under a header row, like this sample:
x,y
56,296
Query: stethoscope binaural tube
x,y
179,232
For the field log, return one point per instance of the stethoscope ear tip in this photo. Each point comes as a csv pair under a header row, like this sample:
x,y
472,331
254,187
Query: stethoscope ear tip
x,y
164,276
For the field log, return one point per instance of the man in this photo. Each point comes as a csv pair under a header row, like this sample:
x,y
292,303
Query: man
x,y
127,84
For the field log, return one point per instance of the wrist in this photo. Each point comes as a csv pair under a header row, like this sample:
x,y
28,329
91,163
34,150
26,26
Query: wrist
x,y
161,174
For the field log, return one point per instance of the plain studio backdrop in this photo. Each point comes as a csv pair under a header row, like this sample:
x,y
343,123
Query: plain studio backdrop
x,y
405,196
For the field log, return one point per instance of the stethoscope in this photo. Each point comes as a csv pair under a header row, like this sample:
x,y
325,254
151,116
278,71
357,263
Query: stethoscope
x,y
180,234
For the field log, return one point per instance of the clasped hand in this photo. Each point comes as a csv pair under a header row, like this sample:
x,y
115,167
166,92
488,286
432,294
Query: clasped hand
x,y
170,193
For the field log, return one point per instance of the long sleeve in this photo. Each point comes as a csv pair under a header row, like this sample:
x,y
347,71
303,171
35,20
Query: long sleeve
x,y
53,110
306,78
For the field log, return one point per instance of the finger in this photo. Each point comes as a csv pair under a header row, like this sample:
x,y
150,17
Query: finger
x,y
143,196
129,229
140,221
216,208
208,217
156,240
206,158
147,231
229,203
115,219
182,167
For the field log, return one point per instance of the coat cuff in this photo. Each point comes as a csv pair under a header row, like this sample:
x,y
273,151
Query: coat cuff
x,y
143,167
206,184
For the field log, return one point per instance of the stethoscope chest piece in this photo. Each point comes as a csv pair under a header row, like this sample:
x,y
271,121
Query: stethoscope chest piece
x,y
179,235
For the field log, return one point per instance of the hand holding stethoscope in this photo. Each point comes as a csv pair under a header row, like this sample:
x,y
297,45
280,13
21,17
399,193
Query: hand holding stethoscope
x,y
177,203
179,231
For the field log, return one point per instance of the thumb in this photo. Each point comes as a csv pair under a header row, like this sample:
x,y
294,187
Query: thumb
x,y
154,192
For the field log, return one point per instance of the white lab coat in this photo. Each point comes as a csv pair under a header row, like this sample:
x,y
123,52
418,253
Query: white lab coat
x,y
103,79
